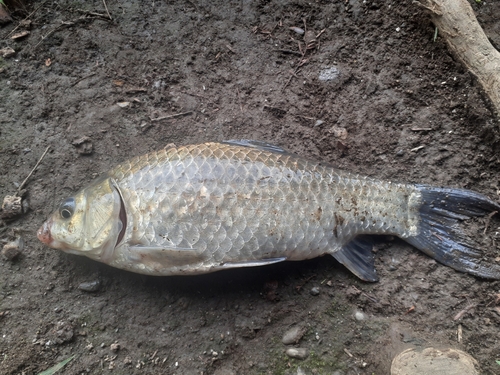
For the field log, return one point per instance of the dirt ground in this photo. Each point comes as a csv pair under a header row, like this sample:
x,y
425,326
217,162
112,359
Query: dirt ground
x,y
376,95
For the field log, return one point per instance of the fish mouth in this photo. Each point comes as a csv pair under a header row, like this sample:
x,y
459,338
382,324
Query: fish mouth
x,y
44,234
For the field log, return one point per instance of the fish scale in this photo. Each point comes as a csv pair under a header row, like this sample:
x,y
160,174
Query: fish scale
x,y
207,207
229,202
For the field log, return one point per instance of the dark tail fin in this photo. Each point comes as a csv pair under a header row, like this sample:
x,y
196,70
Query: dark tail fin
x,y
441,237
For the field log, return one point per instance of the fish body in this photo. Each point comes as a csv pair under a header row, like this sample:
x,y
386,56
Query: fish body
x,y
207,207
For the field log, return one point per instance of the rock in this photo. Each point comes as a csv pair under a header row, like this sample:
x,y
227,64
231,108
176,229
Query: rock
x,y
293,335
434,361
11,250
7,52
329,74
314,291
114,347
11,206
339,132
297,353
90,286
359,315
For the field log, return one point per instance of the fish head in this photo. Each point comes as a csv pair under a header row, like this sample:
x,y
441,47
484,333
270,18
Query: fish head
x,y
88,223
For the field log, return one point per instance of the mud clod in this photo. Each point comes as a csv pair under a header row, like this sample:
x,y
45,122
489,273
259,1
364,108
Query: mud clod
x,y
11,207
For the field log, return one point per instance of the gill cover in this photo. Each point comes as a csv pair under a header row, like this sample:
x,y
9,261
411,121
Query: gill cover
x,y
89,223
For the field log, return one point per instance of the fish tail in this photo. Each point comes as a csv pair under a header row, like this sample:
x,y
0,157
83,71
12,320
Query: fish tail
x,y
442,232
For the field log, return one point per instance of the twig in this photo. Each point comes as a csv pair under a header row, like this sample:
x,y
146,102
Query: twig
x,y
98,15
81,79
107,11
170,116
29,15
63,25
464,311
294,74
421,129
67,24
488,219
33,170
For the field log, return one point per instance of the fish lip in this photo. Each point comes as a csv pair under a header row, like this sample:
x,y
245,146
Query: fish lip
x,y
44,234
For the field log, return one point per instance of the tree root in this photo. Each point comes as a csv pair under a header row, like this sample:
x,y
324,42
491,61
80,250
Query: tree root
x,y
457,23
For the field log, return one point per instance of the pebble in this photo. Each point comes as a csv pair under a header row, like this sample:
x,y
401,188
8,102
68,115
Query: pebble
x,y
293,335
11,206
90,286
298,353
11,250
359,315
114,347
314,291
329,74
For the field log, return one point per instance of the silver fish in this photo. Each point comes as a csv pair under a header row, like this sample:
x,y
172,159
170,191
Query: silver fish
x,y
214,206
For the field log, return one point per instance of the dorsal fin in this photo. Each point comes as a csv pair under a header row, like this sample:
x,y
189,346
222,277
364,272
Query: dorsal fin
x,y
257,144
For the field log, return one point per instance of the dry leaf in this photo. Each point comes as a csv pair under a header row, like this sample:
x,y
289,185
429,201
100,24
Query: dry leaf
x,y
118,83
7,52
20,34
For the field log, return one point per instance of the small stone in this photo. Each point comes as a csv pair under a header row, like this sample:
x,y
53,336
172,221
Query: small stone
x,y
314,291
90,286
7,52
329,74
298,353
114,347
318,122
400,152
293,335
339,132
13,249
11,207
359,316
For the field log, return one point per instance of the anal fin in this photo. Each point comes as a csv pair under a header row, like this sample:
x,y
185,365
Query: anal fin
x,y
357,257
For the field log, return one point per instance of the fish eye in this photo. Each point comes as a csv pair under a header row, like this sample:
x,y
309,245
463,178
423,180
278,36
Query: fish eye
x,y
67,208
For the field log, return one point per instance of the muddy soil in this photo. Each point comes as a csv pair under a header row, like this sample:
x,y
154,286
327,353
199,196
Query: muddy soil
x,y
374,94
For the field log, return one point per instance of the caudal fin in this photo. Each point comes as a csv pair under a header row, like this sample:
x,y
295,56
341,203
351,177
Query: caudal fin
x,y
441,231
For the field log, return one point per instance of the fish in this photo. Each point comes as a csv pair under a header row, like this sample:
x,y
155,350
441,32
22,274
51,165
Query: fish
x,y
207,207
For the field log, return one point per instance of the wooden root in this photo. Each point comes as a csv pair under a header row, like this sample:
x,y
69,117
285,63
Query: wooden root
x,y
457,23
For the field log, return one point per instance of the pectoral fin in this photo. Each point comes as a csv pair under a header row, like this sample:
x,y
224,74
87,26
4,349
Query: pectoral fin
x,y
357,257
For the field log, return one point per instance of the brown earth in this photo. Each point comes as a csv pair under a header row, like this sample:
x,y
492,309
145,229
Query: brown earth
x,y
401,108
